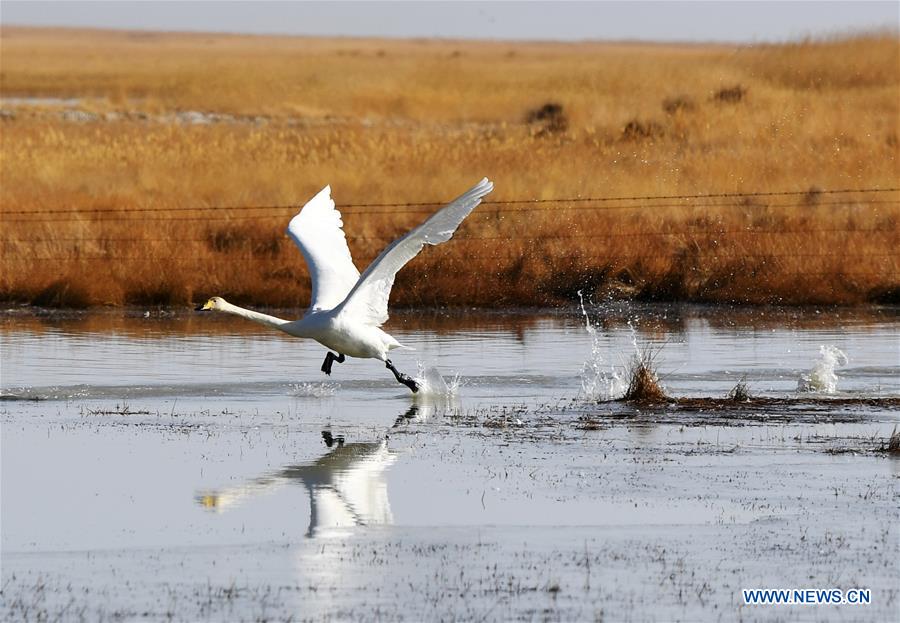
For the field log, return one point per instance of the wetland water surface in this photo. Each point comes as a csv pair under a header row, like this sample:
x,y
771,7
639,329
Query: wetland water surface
x,y
202,468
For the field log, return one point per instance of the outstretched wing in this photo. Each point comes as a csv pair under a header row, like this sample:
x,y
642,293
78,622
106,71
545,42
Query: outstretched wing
x,y
317,231
368,300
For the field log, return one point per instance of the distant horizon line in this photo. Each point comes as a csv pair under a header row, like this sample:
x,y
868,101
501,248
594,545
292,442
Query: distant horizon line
x,y
846,33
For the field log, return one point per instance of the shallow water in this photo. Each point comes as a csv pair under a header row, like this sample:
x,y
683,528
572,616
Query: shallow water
x,y
697,353
202,468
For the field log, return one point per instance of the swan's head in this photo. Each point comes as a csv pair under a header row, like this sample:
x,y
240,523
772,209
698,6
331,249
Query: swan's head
x,y
216,302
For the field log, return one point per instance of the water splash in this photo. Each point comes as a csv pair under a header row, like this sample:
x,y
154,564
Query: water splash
x,y
313,390
600,381
822,377
433,384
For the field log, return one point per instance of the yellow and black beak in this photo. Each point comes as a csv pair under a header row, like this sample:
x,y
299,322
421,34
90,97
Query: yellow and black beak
x,y
208,501
208,305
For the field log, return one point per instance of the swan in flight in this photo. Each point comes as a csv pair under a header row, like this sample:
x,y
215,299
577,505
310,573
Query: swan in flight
x,y
347,309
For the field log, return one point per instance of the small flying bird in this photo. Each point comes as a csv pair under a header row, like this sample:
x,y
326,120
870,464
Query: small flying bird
x,y
347,309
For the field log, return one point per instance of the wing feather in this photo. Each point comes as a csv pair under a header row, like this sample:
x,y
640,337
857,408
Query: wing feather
x,y
317,230
368,300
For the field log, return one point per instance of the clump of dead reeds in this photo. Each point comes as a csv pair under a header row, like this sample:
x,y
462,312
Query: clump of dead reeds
x,y
636,130
892,446
586,422
740,392
678,104
548,119
730,95
643,384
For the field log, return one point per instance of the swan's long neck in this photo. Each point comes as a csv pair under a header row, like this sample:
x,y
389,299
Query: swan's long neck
x,y
249,314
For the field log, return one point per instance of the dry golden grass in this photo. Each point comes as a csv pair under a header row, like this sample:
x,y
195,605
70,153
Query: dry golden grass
x,y
412,121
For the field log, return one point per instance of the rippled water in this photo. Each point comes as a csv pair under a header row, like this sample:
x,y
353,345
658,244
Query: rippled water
x,y
202,468
525,358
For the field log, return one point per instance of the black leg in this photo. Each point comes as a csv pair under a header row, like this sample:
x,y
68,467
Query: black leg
x,y
402,378
330,358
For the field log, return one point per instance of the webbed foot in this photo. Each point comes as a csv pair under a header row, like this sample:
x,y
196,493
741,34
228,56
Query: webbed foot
x,y
402,378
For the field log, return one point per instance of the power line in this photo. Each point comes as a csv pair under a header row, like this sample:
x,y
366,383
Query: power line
x,y
811,194
781,193
483,214
264,249
610,256
462,237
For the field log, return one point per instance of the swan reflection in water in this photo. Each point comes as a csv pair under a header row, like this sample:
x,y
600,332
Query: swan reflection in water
x,y
347,486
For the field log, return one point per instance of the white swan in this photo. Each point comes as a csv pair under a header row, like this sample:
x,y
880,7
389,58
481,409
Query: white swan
x,y
347,309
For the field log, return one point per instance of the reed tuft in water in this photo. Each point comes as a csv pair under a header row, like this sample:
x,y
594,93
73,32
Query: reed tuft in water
x,y
643,385
893,443
740,392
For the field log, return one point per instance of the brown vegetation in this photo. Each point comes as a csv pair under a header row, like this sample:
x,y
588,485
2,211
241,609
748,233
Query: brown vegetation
x,y
94,190
740,392
892,446
643,384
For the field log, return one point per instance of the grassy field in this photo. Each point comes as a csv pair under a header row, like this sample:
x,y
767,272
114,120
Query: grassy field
x,y
154,168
